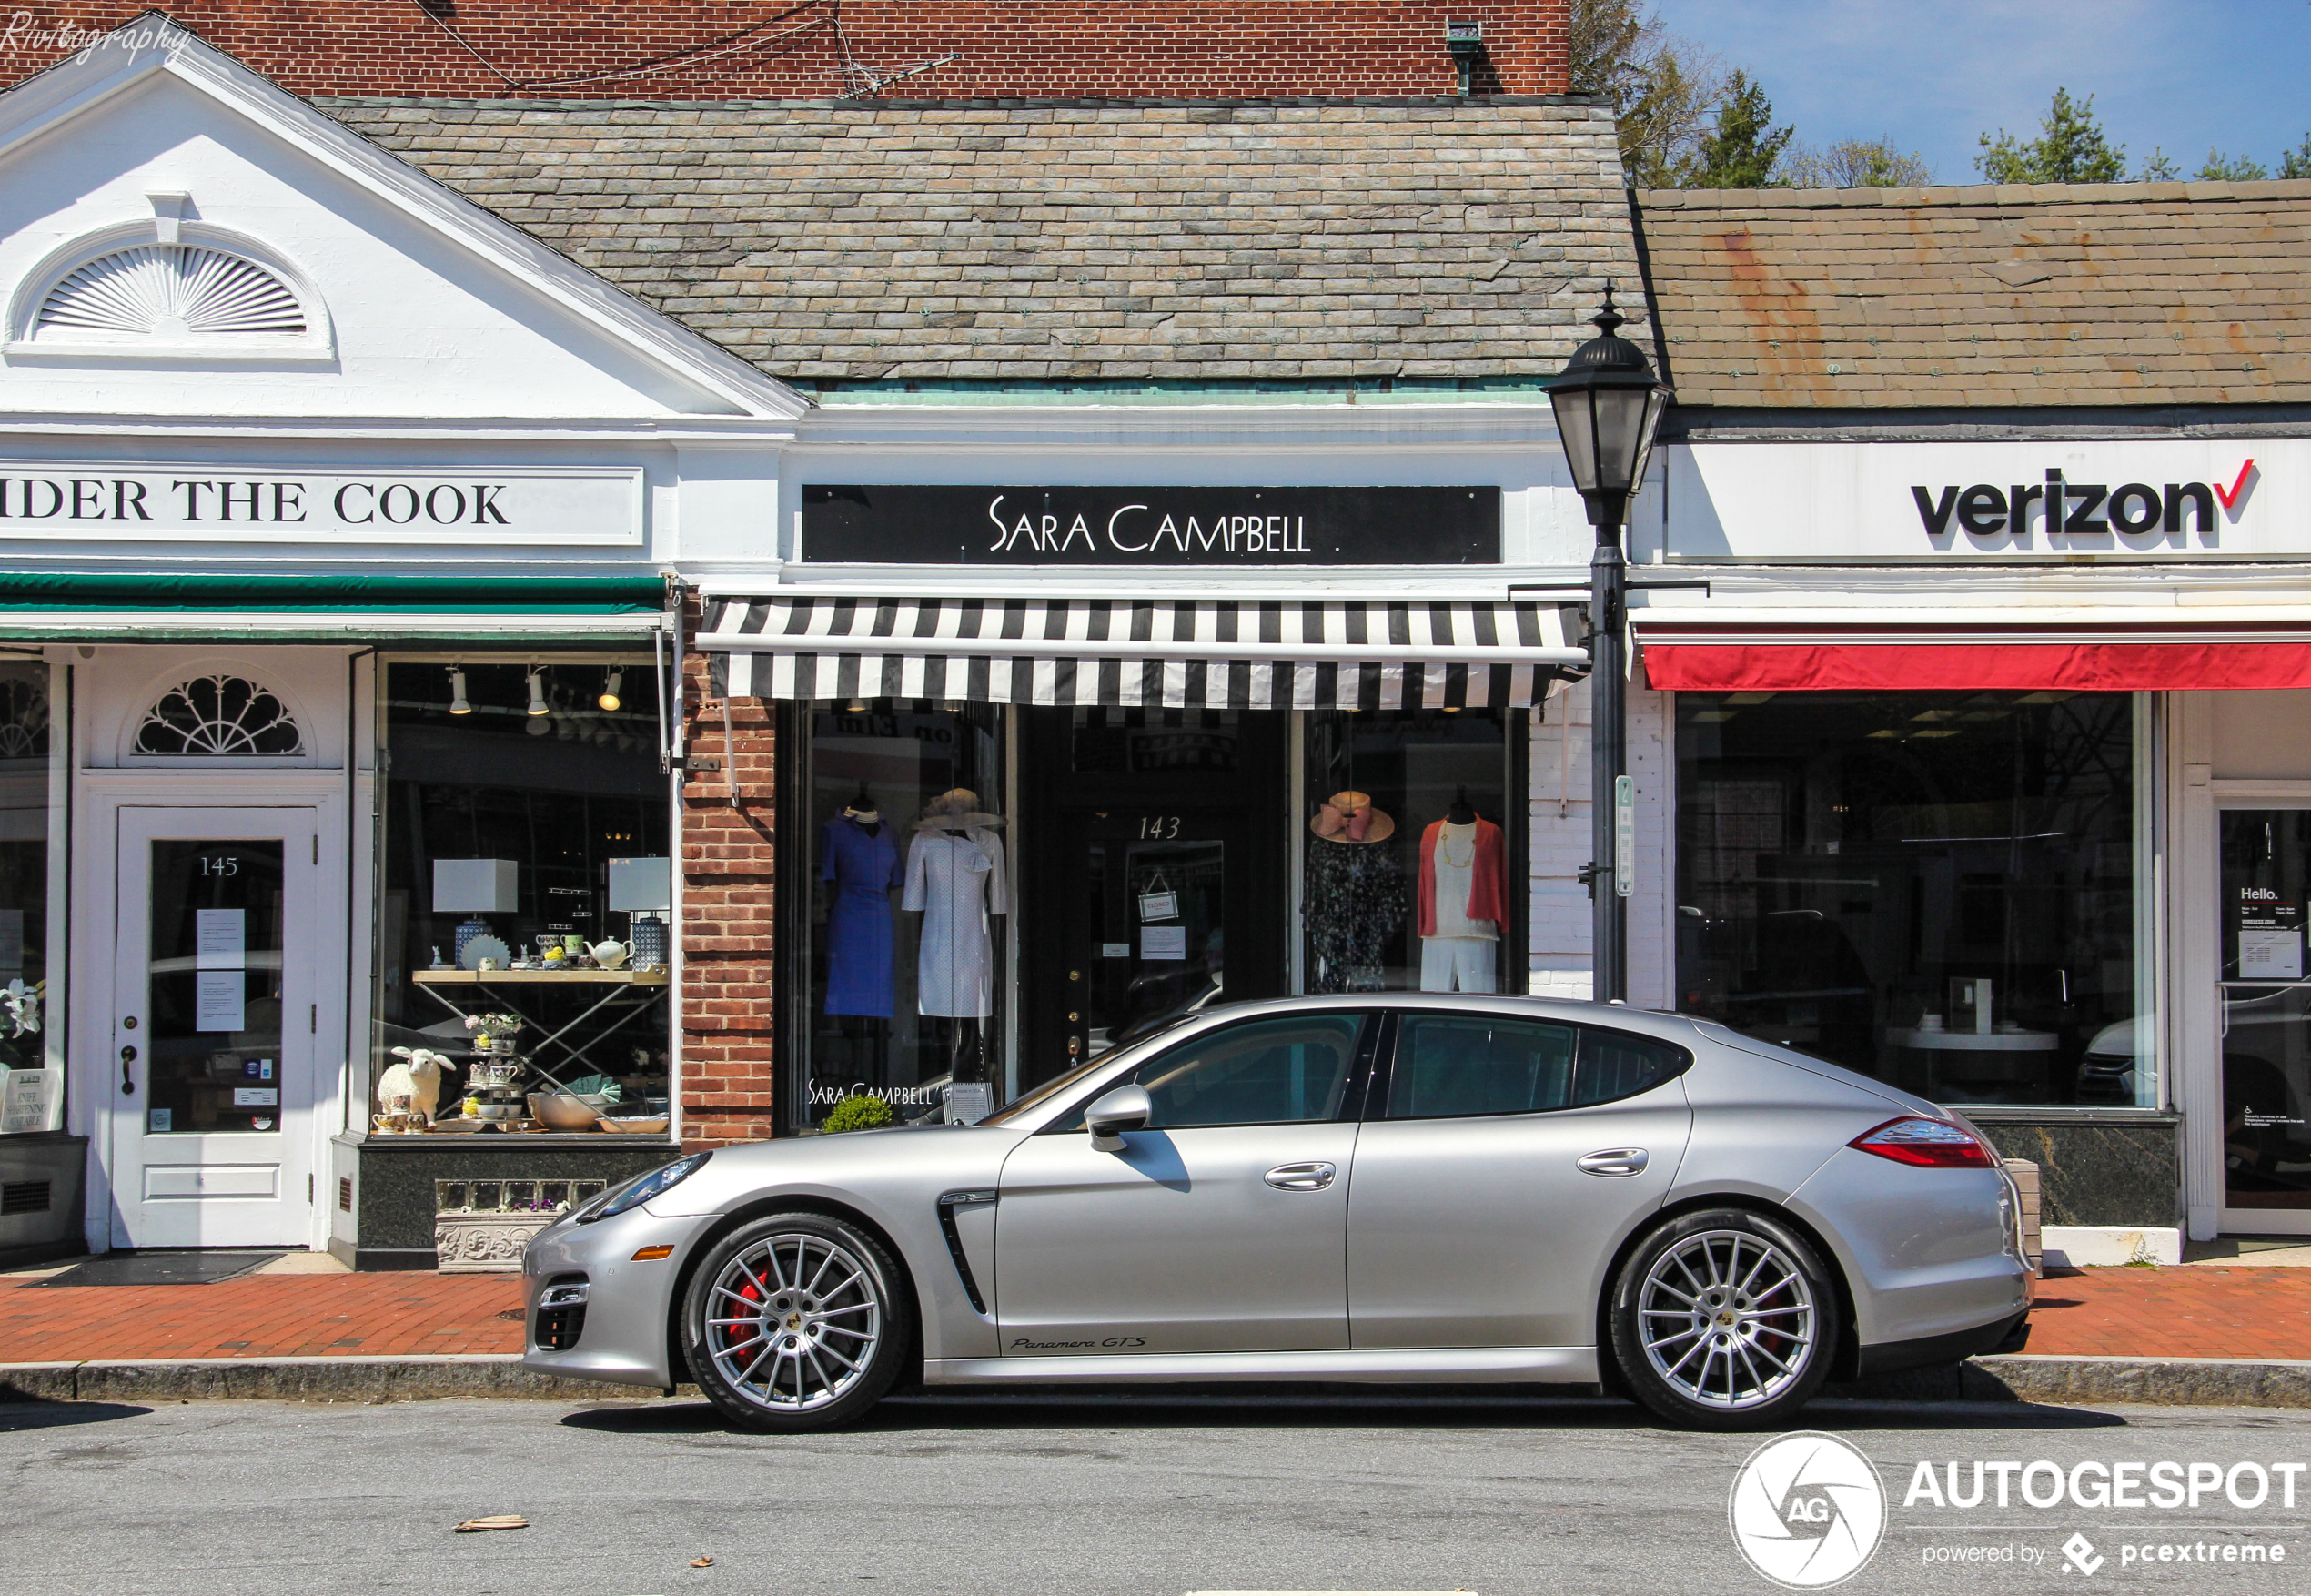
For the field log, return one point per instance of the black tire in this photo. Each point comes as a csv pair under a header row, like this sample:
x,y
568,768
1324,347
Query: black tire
x,y
1738,1296
839,1324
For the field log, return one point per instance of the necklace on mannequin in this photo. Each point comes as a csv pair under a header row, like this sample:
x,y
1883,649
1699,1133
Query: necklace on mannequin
x,y
1445,839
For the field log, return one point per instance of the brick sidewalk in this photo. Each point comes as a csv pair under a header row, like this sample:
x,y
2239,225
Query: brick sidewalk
x,y
2235,1312
2232,1312
261,1315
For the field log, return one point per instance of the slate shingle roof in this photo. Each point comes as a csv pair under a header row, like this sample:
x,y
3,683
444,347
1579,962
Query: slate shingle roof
x,y
1102,240
2103,294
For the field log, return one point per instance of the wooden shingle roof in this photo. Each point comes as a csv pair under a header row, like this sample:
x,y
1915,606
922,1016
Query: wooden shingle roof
x,y
2088,294
1288,240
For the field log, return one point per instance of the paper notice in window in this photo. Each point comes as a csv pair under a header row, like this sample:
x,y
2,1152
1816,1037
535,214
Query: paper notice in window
x,y
24,1100
220,940
2270,955
216,1000
1163,942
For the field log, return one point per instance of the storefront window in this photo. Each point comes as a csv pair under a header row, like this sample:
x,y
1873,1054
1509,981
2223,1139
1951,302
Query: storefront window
x,y
904,839
1944,890
528,846
31,1069
1409,857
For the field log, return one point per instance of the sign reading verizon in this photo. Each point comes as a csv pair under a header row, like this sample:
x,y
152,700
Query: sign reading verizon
x,y
2145,499
242,503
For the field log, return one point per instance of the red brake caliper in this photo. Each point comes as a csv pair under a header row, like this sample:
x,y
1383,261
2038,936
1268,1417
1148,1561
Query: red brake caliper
x,y
734,1334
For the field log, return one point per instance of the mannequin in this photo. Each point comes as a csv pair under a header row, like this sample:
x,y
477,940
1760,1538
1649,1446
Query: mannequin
x,y
860,859
1463,899
955,879
1354,894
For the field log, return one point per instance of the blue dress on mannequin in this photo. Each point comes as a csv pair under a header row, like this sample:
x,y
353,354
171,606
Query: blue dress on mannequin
x,y
864,868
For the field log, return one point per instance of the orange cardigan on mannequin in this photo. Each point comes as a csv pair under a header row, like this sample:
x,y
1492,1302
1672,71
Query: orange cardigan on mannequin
x,y
1488,877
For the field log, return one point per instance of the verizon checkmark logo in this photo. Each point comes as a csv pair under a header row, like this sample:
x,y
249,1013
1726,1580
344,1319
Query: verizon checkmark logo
x,y
2136,515
2237,490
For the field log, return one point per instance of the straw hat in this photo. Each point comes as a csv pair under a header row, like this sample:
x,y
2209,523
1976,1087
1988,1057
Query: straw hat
x,y
1350,818
956,811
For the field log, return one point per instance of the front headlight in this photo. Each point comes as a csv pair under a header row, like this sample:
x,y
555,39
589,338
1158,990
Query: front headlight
x,y
641,1189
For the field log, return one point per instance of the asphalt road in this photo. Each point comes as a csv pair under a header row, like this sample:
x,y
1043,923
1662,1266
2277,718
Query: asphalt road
x,y
1139,1498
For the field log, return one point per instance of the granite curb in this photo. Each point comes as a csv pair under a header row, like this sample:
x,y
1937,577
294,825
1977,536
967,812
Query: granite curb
x,y
2212,1382
411,1379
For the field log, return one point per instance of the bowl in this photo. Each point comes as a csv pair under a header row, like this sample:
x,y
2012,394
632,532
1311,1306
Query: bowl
x,y
560,1111
637,1127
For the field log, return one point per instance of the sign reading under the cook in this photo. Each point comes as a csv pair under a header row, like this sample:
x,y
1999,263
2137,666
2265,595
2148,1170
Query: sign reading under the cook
x,y
885,525
241,504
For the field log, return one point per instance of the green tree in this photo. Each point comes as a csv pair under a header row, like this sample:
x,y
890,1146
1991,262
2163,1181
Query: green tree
x,y
2296,163
1661,88
1852,163
2223,168
1740,150
2070,149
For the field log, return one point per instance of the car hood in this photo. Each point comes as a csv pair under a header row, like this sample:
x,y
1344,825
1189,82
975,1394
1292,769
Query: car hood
x,y
864,1167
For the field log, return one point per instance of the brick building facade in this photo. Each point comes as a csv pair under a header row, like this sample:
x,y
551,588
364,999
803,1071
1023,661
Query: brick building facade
x,y
691,51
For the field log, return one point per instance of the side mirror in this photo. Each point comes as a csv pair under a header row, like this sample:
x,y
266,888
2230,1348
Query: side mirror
x,y
1124,1108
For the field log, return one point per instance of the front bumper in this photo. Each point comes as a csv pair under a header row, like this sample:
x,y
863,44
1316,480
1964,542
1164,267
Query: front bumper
x,y
629,1302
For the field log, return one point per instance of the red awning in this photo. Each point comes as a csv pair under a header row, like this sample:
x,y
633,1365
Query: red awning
x,y
2189,662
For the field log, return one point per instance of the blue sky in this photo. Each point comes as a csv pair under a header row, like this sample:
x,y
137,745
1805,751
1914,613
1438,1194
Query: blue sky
x,y
2179,74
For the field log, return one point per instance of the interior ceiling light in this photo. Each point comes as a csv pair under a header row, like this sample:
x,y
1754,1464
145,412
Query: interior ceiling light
x,y
457,704
537,692
609,699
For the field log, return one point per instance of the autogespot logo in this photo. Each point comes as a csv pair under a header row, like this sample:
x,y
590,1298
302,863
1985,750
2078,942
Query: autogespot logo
x,y
1807,1511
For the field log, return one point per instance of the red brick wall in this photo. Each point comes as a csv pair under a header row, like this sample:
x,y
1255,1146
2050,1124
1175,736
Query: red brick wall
x,y
729,894
731,49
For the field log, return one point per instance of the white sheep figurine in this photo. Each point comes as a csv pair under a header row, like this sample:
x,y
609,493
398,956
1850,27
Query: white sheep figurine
x,y
418,1080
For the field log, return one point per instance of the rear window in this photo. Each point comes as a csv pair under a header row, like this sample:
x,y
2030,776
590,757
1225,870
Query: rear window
x,y
1451,1066
1616,1065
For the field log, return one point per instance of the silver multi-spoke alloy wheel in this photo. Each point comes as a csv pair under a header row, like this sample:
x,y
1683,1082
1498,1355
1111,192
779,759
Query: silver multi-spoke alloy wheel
x,y
794,1320
1728,1319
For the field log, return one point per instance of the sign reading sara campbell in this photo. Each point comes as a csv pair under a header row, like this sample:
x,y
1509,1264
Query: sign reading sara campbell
x,y
263,504
1261,527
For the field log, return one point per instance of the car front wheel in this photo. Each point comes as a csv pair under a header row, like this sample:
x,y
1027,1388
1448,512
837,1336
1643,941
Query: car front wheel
x,y
796,1322
1724,1319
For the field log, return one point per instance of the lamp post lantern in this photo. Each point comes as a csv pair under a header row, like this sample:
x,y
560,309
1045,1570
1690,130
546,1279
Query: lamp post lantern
x,y
1608,403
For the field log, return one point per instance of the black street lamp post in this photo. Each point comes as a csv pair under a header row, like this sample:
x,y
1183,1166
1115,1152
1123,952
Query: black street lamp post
x,y
1608,403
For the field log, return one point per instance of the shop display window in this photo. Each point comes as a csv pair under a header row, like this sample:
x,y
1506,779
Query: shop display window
x,y
1944,890
31,1066
1411,873
524,922
904,843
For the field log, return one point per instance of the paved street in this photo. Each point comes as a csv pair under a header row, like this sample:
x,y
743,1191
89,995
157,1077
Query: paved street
x,y
959,1496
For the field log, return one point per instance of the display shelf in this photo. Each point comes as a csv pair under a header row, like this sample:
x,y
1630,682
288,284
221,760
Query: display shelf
x,y
541,977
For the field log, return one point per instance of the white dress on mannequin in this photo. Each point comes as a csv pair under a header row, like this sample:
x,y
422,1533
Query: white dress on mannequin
x,y
956,880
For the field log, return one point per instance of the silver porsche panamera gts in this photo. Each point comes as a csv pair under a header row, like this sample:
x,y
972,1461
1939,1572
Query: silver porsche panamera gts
x,y
1368,1188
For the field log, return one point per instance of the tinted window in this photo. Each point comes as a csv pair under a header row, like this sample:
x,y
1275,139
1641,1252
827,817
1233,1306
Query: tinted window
x,y
1615,1064
1453,1065
1265,1072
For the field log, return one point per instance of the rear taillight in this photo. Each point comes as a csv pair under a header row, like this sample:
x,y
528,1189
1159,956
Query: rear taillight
x,y
1930,1143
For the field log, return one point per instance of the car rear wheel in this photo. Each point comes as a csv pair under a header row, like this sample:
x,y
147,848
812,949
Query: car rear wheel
x,y
1724,1319
796,1322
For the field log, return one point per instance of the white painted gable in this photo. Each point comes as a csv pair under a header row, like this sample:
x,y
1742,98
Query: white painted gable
x,y
434,308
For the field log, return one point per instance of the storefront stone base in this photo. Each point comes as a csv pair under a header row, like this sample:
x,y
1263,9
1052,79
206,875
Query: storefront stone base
x,y
2097,1171
385,1209
43,1176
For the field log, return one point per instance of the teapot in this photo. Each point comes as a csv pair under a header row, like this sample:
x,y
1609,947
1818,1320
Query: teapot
x,y
610,955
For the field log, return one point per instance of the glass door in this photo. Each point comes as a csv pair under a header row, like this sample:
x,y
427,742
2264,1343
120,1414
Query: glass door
x,y
1147,920
215,1015
2265,1010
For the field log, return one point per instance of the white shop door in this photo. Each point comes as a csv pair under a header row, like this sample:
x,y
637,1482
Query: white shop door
x,y
214,1015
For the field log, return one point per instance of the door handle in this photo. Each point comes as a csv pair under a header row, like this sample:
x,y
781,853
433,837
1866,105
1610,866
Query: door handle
x,y
127,1081
1301,1176
1613,1161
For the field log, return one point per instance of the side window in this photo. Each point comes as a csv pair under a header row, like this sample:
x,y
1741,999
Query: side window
x,y
1449,1066
1265,1072
1615,1064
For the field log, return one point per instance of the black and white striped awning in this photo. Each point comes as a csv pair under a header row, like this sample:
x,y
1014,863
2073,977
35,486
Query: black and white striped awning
x,y
1182,654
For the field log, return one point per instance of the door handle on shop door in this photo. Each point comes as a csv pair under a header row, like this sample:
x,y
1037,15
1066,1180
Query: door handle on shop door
x,y
1613,1161
127,1081
1301,1176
